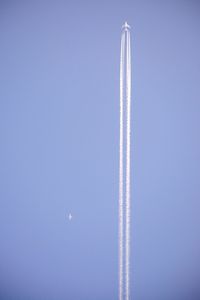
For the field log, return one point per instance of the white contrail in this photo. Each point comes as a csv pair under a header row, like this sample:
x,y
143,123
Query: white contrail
x,y
124,173
121,183
128,161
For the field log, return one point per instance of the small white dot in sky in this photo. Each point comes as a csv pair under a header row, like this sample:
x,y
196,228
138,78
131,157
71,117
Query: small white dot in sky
x,y
70,217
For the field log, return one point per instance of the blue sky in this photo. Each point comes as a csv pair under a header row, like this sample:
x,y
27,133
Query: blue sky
x,y
59,137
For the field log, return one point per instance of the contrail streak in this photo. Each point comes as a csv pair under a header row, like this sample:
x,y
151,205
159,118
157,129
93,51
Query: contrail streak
x,y
121,183
124,165
128,128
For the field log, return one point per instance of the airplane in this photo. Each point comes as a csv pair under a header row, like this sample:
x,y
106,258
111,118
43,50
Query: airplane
x,y
126,26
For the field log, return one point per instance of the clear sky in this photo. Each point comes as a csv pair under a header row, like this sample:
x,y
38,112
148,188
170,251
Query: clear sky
x,y
59,137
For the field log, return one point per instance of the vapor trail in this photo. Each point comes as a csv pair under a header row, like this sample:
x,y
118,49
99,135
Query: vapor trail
x,y
121,180
124,165
128,161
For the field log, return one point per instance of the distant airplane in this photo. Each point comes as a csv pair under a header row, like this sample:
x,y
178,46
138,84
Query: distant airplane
x,y
126,26
70,217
